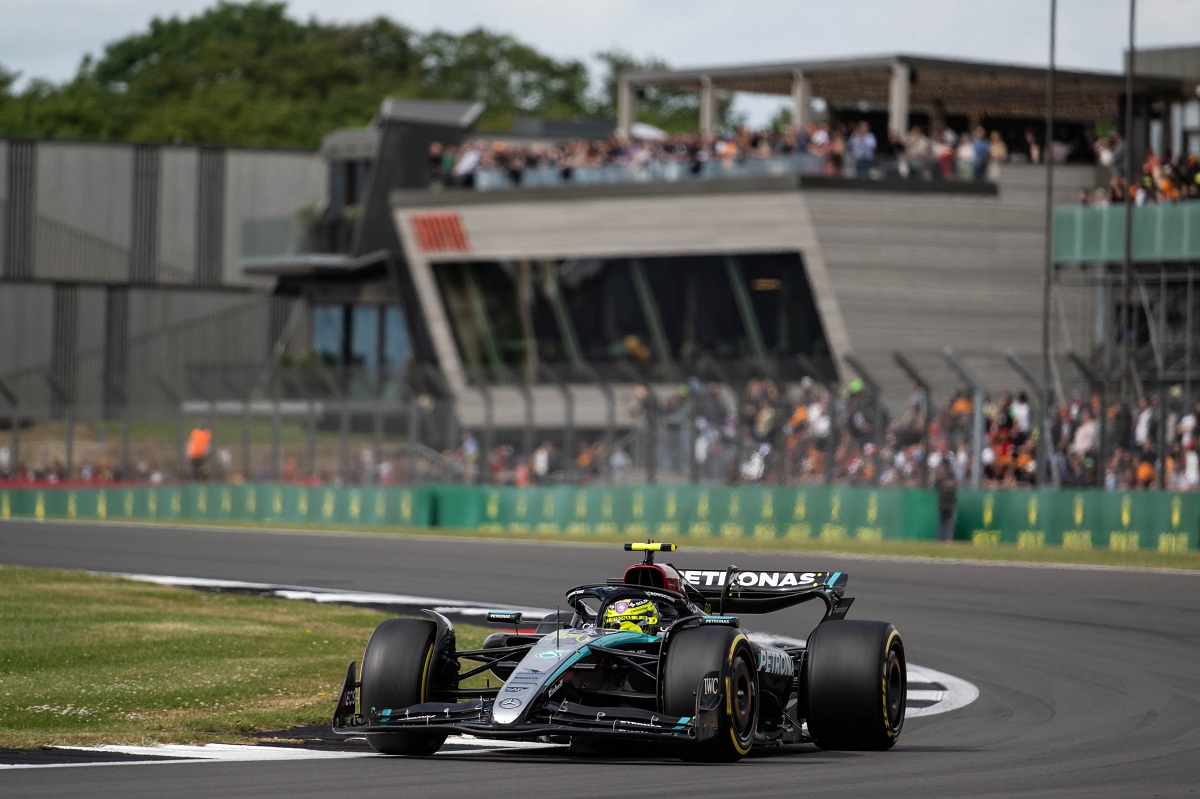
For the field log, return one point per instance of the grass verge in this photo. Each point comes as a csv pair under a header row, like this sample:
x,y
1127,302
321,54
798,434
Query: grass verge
x,y
90,660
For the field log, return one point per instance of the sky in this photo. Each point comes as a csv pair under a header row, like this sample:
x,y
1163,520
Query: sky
x,y
48,38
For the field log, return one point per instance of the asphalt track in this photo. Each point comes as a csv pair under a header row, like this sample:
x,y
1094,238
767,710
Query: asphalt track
x,y
1089,679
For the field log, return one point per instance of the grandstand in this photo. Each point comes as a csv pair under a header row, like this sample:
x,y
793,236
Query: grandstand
x,y
157,280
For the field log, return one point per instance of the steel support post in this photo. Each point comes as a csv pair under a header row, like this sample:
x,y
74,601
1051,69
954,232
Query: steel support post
x,y
977,389
910,370
1042,392
877,437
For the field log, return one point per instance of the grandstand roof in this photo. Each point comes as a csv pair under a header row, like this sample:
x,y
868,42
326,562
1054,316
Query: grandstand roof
x,y
963,87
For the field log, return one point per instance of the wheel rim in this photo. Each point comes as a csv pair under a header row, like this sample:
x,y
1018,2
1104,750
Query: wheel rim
x,y
894,699
744,702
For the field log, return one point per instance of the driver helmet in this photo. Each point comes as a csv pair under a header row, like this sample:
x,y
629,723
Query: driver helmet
x,y
637,615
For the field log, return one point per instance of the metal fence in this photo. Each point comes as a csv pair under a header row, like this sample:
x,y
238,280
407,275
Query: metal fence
x,y
309,422
296,420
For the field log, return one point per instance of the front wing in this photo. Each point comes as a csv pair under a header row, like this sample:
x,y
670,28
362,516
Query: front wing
x,y
552,718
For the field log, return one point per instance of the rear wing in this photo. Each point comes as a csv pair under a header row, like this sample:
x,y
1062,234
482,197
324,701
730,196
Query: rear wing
x,y
738,591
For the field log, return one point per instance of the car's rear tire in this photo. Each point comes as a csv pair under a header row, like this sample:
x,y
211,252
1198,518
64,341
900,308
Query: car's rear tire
x,y
697,652
397,671
856,684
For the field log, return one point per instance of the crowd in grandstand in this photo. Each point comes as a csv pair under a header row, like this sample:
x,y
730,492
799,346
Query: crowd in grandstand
x,y
838,149
812,435
817,435
1157,180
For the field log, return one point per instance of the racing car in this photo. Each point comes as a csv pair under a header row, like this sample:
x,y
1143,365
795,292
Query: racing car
x,y
658,654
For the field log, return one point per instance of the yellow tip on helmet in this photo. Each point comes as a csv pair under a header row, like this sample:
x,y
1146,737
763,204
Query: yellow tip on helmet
x,y
635,615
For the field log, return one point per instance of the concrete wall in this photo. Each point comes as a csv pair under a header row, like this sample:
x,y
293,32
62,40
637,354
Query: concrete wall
x,y
84,198
1175,62
921,273
3,196
266,184
27,317
85,194
177,213
890,271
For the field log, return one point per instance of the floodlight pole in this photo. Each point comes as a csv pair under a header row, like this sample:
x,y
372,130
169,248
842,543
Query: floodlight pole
x,y
910,370
1100,386
1127,261
1044,470
976,387
1046,473
877,433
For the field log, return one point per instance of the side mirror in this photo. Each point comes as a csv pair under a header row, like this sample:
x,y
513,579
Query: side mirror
x,y
504,617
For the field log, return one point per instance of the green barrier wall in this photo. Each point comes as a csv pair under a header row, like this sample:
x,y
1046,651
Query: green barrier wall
x,y
1159,521
1083,519
816,513
216,502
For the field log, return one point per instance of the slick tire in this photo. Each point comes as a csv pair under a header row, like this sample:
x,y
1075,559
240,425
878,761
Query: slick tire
x,y
397,671
856,682
695,653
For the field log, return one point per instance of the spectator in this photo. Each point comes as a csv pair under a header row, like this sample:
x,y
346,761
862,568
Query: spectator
x,y
837,151
964,156
946,487
1084,442
1032,149
199,448
1145,433
891,153
997,154
862,149
435,163
1021,419
542,462
468,453
1118,155
946,147
466,166
982,151
918,152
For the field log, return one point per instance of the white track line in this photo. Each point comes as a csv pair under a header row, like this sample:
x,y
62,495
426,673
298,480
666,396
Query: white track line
x,y
958,693
176,754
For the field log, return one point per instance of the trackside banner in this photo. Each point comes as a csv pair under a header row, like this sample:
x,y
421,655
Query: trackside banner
x,y
200,502
668,512
1160,521
1156,521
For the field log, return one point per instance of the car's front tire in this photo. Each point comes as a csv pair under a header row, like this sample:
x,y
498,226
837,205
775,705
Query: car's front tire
x,y
696,652
856,684
397,671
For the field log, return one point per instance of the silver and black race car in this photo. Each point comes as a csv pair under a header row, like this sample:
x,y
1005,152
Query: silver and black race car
x,y
658,654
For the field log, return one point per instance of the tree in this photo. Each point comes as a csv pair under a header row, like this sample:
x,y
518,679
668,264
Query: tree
x,y
510,78
672,110
246,73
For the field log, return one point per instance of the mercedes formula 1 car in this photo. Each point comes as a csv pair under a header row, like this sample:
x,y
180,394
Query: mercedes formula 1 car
x,y
658,654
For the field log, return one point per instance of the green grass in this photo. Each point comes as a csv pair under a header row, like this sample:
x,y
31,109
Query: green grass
x,y
89,660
